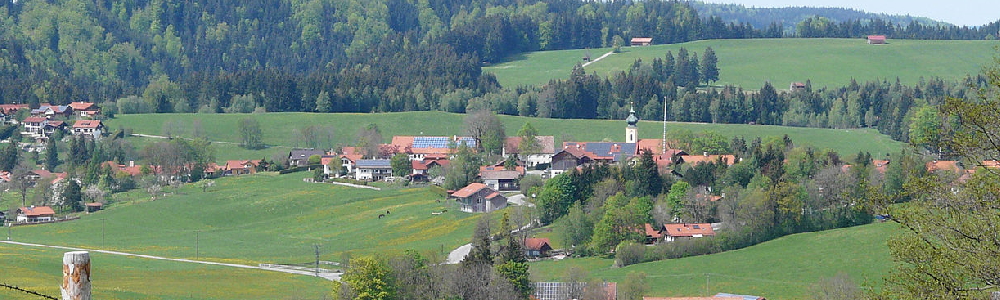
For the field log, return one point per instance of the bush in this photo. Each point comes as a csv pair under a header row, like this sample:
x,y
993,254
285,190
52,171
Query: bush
x,y
629,253
134,105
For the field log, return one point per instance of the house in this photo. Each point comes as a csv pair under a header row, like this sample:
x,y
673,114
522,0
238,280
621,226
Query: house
x,y
653,235
943,165
421,147
536,247
876,39
85,109
570,290
240,167
327,161
51,111
672,232
741,297
695,160
7,112
372,169
36,175
94,206
300,157
546,149
795,86
422,169
477,197
88,128
499,178
35,214
569,158
575,154
641,41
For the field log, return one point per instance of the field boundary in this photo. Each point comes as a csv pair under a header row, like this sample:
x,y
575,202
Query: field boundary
x,y
325,275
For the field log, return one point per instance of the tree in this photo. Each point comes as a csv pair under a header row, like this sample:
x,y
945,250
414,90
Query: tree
x,y
616,43
323,102
482,249
529,141
401,165
10,156
556,198
72,195
51,155
370,279
463,169
486,129
839,287
709,66
634,287
250,134
675,197
925,128
368,140
946,252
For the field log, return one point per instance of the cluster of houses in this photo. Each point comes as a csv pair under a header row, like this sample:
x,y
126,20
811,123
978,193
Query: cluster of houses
x,y
77,118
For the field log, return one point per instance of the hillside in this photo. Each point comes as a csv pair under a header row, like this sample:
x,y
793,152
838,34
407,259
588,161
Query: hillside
x,y
265,218
750,63
278,129
788,17
785,268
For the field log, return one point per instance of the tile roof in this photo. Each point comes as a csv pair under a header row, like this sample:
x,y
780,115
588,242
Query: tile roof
x,y
469,190
698,159
546,143
688,229
304,153
536,244
35,119
499,174
693,298
653,233
37,211
82,106
240,164
945,165
87,124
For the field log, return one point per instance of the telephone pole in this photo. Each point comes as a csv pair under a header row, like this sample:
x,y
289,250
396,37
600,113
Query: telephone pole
x,y
316,247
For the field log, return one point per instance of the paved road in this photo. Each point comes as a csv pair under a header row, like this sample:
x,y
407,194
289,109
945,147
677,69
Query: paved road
x,y
328,276
519,200
457,255
595,60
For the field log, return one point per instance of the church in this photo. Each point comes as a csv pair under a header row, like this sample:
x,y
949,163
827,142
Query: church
x,y
576,154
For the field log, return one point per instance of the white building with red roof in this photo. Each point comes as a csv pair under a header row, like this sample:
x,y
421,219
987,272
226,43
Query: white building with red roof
x,y
88,128
35,214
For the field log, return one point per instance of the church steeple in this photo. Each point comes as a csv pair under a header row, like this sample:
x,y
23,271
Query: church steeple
x,y
631,131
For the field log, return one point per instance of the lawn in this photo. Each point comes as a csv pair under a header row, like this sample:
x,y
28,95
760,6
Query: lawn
x,y
277,128
119,277
785,268
749,63
266,218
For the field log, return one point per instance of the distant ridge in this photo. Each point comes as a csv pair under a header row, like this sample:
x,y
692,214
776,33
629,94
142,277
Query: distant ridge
x,y
788,17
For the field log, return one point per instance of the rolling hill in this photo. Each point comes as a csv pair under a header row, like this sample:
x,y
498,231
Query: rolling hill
x,y
750,63
278,128
785,268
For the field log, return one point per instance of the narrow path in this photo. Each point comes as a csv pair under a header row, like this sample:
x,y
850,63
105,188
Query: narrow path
x,y
327,275
599,58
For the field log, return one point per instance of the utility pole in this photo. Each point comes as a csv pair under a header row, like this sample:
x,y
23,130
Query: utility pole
x,y
197,236
663,146
316,247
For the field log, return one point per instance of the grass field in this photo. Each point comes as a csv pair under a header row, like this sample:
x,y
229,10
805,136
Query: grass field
x,y
118,277
266,218
750,63
785,268
277,128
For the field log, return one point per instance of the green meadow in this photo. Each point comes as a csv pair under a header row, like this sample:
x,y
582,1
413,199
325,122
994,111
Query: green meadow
x,y
750,63
119,277
785,268
277,130
266,218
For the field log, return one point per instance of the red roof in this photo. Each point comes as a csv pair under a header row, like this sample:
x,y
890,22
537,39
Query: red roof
x,y
693,298
469,190
326,160
688,229
82,106
240,164
37,211
943,165
991,164
10,108
876,37
642,40
87,124
537,244
653,233
35,119
95,204
697,159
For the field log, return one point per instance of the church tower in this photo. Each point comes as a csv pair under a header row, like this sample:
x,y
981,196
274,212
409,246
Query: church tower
x,y
631,131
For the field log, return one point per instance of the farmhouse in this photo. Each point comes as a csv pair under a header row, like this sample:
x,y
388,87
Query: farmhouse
x,y
499,178
542,155
94,206
536,247
672,232
85,109
641,41
7,112
372,169
35,214
88,128
300,157
421,147
50,111
876,39
477,197
653,235
422,168
943,165
240,167
795,86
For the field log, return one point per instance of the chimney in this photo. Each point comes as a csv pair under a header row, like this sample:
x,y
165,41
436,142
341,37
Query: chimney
x,y
704,154
131,163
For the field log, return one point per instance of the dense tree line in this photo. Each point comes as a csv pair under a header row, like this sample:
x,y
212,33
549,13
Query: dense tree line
x,y
788,17
330,56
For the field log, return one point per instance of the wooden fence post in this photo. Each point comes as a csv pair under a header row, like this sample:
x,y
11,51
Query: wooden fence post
x,y
76,276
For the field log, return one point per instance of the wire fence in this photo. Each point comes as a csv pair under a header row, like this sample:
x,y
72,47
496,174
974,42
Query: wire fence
x,y
30,292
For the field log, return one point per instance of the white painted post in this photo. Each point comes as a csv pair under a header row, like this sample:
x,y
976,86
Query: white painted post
x,y
76,276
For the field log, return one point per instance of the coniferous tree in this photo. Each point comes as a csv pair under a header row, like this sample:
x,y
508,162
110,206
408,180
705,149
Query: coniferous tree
x,y
709,66
51,155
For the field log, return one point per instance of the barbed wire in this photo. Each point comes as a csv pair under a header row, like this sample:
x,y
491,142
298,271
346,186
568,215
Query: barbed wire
x,y
15,288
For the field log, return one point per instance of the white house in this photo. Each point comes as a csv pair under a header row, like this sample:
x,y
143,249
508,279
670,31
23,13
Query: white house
x,y
372,169
546,149
88,128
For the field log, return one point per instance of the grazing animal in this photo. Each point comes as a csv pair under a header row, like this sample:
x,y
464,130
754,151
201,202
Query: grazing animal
x,y
387,212
444,211
381,216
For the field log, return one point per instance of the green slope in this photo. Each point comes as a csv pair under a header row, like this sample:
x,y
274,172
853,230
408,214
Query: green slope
x,y
785,268
118,277
750,63
277,130
265,218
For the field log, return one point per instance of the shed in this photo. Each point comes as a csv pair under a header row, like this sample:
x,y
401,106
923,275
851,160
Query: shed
x,y
641,41
876,39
